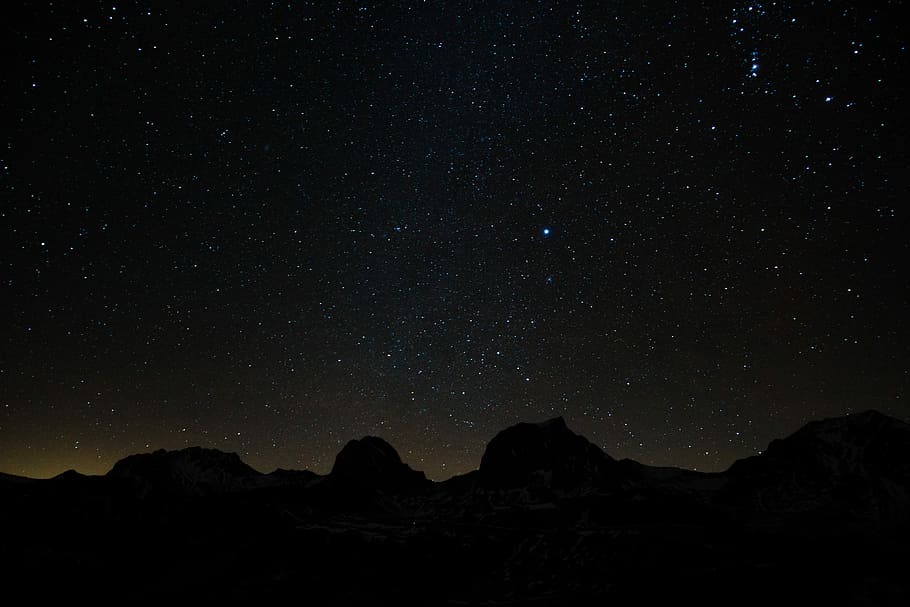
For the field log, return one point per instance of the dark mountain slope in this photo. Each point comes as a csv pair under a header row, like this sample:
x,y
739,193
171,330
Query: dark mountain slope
x,y
857,465
546,454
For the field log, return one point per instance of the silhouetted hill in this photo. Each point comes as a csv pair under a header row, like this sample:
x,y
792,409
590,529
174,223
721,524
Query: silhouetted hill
x,y
546,454
69,476
13,479
374,463
854,465
190,471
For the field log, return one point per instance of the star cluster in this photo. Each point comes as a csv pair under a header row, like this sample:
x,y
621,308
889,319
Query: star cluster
x,y
271,228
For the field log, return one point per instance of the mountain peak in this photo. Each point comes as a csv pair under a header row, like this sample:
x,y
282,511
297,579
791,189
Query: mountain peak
x,y
855,429
373,462
69,476
192,471
545,453
556,423
857,461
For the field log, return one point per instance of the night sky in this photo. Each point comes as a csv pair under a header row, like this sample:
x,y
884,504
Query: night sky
x,y
272,228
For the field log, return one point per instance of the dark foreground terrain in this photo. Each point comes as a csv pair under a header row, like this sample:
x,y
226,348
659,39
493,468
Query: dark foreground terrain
x,y
822,516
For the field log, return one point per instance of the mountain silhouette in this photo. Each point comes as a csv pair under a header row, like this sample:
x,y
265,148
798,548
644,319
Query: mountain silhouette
x,y
853,465
190,471
544,454
548,519
374,463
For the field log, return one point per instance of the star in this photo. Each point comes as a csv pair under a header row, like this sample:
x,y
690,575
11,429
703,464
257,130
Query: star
x,y
326,269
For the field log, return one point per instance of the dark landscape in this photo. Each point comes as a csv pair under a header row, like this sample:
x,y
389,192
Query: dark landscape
x,y
548,518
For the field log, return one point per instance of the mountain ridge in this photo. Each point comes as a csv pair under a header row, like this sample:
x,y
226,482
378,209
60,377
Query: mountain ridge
x,y
548,426
548,518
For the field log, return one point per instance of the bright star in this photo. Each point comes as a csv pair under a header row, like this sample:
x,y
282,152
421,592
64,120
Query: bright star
x,y
546,232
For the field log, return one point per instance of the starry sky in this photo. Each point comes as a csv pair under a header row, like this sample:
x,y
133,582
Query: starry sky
x,y
271,228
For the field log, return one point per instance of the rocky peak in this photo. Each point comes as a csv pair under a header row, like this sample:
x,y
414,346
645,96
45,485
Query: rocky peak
x,y
546,453
373,462
857,463
191,471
